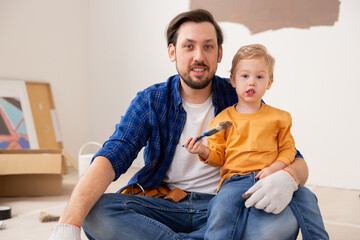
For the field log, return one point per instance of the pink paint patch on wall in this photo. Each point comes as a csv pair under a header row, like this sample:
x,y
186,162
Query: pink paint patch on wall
x,y
262,15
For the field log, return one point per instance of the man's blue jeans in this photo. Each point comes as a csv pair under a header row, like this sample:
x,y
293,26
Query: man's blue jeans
x,y
306,210
228,216
121,216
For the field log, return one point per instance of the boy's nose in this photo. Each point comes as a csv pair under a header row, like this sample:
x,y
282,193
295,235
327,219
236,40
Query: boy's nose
x,y
252,82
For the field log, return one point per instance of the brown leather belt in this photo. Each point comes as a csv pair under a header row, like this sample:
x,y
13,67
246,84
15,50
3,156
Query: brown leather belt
x,y
162,191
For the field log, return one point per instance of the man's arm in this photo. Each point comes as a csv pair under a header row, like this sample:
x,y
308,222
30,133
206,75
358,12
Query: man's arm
x,y
87,191
300,170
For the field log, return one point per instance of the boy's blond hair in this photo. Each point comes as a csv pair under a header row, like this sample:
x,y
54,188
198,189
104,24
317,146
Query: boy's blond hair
x,y
253,51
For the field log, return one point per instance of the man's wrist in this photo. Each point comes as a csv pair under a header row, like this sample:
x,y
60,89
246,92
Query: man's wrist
x,y
299,170
74,225
291,175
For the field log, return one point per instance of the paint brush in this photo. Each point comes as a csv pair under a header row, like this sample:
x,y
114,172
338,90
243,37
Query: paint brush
x,y
218,127
45,217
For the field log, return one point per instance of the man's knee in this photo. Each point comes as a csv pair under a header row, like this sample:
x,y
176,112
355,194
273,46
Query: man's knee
x,y
98,211
100,221
262,225
305,194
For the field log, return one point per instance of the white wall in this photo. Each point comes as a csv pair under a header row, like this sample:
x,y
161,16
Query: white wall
x,y
47,41
316,80
98,54
128,54
315,76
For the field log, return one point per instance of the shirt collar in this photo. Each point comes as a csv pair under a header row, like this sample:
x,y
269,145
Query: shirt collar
x,y
217,99
175,82
217,94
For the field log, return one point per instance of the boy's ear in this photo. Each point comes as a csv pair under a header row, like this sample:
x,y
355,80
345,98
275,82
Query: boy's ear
x,y
232,81
171,52
269,84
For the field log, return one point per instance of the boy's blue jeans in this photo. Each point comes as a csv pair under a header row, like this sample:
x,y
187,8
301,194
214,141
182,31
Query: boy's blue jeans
x,y
121,216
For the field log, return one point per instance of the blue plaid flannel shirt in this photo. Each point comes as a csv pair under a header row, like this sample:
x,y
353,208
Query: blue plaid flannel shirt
x,y
155,120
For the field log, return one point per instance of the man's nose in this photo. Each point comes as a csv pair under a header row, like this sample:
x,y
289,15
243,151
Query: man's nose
x,y
199,55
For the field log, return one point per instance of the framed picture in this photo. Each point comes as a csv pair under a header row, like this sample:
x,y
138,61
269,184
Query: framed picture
x,y
17,129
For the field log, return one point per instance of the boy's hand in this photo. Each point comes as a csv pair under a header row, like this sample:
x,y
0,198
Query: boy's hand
x,y
197,147
264,172
274,167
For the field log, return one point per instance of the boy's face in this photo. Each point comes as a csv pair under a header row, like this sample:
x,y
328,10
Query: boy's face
x,y
251,80
196,53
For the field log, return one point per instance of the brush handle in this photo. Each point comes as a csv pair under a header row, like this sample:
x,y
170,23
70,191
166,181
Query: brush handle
x,y
205,134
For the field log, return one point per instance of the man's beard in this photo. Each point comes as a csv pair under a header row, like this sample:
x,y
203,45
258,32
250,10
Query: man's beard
x,y
194,84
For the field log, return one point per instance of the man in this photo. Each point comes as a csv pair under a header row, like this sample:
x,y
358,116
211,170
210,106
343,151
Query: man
x,y
161,118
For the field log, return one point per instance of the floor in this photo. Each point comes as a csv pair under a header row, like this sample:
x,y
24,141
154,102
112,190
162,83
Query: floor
x,y
340,210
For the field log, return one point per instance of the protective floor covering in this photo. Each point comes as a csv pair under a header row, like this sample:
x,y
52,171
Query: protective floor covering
x,y
340,209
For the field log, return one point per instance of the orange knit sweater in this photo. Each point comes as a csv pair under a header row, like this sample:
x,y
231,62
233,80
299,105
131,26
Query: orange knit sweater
x,y
254,141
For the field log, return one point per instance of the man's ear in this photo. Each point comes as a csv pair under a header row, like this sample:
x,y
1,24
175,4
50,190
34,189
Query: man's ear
x,y
220,55
171,52
232,81
269,84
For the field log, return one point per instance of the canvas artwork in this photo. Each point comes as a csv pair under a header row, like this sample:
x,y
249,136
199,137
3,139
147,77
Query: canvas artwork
x,y
13,133
17,130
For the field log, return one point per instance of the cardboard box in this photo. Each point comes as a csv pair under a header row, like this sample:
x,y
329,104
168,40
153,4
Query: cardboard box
x,y
31,172
36,172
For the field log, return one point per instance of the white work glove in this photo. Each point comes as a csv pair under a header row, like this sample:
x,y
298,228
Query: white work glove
x,y
272,193
65,232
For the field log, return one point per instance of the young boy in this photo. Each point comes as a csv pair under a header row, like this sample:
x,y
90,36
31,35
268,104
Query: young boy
x,y
257,144
259,139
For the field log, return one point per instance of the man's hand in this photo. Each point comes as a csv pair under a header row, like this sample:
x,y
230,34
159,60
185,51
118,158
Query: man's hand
x,y
273,193
65,232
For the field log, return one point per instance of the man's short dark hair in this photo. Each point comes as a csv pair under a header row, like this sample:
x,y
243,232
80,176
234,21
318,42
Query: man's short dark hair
x,y
197,16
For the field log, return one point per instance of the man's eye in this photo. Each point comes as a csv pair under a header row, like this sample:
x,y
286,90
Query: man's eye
x,y
188,46
208,47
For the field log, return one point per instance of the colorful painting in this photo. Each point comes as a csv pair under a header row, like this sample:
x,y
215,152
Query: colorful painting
x,y
13,133
17,129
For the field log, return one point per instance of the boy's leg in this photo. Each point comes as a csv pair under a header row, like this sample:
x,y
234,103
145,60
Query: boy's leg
x,y
227,214
257,224
306,210
304,213
263,225
268,226
121,216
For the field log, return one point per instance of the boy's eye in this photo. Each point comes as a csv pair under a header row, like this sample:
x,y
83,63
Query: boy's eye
x,y
245,76
259,77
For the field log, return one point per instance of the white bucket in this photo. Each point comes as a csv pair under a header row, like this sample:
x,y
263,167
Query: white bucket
x,y
85,159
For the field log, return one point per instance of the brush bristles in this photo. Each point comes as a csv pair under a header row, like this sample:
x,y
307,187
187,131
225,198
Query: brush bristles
x,y
223,125
219,127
